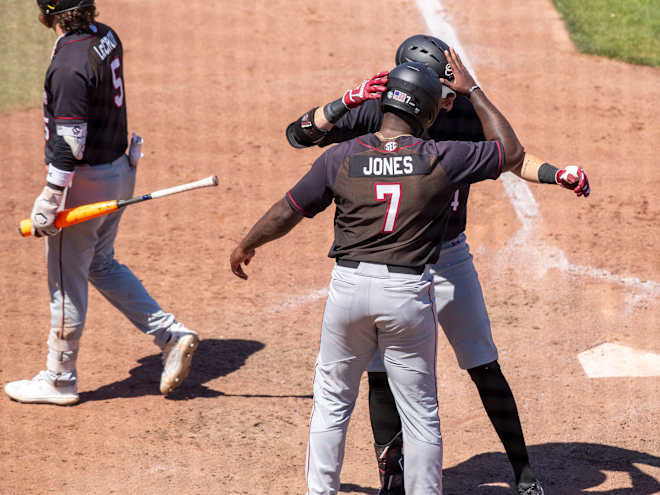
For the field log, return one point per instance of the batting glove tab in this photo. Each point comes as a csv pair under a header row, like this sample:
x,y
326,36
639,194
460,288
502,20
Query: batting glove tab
x,y
574,178
44,212
370,89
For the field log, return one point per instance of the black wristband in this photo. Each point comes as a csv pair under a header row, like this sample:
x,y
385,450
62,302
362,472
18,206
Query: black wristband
x,y
334,110
55,186
547,174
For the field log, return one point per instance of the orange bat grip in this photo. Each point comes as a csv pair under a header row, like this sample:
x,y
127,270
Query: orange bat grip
x,y
73,216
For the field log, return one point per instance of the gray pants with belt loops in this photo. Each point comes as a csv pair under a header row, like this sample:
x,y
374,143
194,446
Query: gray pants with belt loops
x,y
85,253
371,310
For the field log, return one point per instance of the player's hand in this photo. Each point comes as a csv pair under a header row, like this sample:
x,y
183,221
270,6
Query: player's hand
x,y
370,89
463,80
44,212
238,257
574,178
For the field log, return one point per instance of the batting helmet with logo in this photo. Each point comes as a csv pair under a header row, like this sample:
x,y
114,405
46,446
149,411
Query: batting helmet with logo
x,y
426,49
49,7
415,90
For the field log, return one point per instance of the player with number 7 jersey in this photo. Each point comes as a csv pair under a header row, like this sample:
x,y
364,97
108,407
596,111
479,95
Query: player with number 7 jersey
x,y
413,175
392,191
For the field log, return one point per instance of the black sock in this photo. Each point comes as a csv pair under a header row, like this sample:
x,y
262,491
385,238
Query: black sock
x,y
385,421
501,408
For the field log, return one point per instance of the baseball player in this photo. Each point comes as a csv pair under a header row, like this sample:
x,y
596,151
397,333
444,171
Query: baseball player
x,y
86,140
393,193
461,309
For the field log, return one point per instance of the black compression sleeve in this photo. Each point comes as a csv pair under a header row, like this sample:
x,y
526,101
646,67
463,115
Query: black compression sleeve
x,y
334,110
303,132
385,421
547,174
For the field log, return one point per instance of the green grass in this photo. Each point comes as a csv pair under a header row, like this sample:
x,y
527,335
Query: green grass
x,y
25,46
627,30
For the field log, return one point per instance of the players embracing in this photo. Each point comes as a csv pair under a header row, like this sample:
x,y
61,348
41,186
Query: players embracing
x,y
460,303
398,236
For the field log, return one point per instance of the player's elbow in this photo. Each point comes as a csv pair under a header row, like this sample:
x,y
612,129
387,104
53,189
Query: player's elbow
x,y
296,137
514,154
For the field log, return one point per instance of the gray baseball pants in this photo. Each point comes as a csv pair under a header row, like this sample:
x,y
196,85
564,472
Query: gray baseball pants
x,y
369,310
462,312
85,253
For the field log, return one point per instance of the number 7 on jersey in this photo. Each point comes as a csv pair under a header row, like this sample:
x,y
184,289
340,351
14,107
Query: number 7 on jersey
x,y
393,190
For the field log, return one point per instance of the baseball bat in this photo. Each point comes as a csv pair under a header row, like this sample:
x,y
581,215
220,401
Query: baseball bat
x,y
81,213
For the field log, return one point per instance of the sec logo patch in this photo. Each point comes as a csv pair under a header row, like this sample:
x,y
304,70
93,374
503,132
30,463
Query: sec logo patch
x,y
391,146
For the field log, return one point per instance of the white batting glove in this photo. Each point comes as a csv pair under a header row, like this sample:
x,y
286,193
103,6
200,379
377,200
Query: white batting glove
x,y
44,211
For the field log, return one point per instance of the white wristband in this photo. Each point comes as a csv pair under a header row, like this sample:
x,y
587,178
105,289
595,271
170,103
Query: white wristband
x,y
469,93
58,177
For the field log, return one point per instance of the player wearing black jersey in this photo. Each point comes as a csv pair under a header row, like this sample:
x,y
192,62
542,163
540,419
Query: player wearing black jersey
x,y
459,300
392,192
86,140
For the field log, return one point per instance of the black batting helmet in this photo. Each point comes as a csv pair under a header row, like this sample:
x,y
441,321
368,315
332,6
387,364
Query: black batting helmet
x,y
427,49
49,7
413,92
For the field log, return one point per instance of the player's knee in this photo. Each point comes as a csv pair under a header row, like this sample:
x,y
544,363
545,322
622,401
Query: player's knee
x,y
478,373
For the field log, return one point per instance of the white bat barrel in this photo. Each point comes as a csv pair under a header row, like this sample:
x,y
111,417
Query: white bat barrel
x,y
211,180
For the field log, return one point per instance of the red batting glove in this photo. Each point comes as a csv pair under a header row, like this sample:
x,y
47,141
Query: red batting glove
x,y
370,89
575,178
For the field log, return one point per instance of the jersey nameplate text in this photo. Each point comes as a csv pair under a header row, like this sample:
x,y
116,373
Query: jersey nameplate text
x,y
388,166
105,45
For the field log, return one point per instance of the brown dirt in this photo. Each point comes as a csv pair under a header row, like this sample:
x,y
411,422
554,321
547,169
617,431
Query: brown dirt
x,y
211,87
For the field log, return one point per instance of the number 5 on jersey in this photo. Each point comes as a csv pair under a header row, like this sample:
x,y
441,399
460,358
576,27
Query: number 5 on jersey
x,y
393,190
117,82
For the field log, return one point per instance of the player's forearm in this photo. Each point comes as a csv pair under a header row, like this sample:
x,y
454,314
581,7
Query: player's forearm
x,y
276,222
535,169
497,127
320,121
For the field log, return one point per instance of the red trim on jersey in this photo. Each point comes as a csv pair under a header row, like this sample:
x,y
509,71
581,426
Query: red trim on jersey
x,y
296,204
73,41
70,118
385,151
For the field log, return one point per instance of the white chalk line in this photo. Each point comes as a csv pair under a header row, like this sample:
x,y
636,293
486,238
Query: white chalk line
x,y
529,251
297,301
541,256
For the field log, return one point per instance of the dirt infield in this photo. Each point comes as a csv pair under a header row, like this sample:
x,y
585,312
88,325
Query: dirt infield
x,y
211,86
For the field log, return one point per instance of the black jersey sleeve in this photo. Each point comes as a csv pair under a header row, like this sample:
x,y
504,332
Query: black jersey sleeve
x,y
68,87
467,162
365,119
313,193
357,122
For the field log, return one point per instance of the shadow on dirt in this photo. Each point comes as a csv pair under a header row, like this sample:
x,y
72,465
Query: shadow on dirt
x,y
214,358
564,469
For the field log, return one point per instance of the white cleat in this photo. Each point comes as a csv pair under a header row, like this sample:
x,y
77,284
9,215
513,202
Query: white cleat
x,y
41,390
177,357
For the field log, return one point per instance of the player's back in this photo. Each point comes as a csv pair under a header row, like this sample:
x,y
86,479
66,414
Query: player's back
x,y
392,196
85,85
